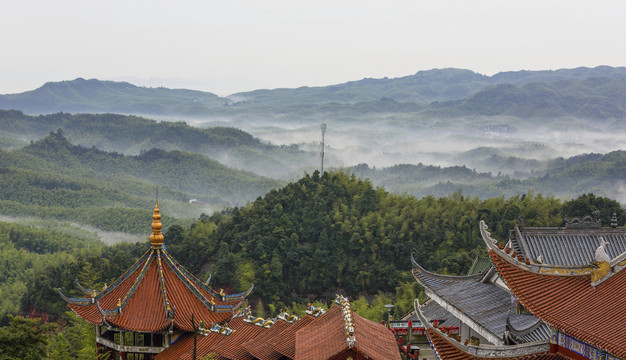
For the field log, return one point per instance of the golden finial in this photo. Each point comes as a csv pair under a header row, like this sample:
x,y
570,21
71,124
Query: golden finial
x,y
93,293
119,302
156,239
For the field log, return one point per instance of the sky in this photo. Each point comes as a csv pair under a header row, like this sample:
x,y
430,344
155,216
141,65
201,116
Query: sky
x,y
228,46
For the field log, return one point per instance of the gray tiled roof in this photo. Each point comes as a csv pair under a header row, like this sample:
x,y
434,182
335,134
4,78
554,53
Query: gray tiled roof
x,y
432,311
485,303
567,246
527,328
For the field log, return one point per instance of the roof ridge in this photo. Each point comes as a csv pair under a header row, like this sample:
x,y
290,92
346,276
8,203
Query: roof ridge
x,y
122,304
525,264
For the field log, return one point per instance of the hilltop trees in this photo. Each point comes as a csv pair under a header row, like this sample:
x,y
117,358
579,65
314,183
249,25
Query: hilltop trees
x,y
336,233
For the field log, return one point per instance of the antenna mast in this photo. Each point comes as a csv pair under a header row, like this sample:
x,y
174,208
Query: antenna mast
x,y
323,127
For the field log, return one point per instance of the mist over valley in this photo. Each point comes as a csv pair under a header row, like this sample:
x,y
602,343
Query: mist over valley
x,y
437,132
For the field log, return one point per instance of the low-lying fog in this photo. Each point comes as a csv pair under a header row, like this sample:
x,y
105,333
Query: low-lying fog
x,y
384,141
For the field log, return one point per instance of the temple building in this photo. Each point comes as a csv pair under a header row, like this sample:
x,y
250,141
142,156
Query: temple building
x,y
151,305
551,293
157,310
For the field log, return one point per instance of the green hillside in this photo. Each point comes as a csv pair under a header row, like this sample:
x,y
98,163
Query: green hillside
x,y
52,178
337,233
132,135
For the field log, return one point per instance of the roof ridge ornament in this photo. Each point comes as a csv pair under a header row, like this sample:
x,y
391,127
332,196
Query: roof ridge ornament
x,y
602,261
348,319
156,238
587,221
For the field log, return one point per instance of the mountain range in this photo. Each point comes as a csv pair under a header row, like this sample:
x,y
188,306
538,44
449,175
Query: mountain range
x,y
582,92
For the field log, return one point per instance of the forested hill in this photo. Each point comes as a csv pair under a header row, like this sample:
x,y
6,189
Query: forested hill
x,y
308,240
132,135
52,178
337,233
602,174
96,96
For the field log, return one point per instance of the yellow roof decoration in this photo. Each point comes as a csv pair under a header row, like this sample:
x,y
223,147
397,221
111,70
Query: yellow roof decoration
x,y
156,239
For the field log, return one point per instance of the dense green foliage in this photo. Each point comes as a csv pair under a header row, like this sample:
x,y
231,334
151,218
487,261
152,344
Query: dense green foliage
x,y
34,261
24,339
337,233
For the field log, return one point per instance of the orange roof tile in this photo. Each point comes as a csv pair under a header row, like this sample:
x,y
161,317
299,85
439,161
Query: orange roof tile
x,y
259,347
185,350
285,344
325,338
570,303
230,347
177,349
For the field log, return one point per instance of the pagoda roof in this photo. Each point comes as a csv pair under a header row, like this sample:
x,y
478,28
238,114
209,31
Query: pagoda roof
x,y
484,306
332,336
572,245
156,293
448,348
567,299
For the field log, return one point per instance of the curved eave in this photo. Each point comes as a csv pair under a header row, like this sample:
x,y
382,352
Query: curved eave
x,y
525,331
427,273
448,347
526,265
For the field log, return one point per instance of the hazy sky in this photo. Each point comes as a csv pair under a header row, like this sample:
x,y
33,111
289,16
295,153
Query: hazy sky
x,y
228,46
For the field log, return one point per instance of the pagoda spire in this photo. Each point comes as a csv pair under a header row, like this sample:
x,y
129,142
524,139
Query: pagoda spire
x,y
156,238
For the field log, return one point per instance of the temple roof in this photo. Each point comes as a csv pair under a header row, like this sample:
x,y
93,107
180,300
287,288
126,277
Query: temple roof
x,y
568,299
566,245
259,347
156,293
230,347
285,344
484,305
448,348
328,337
